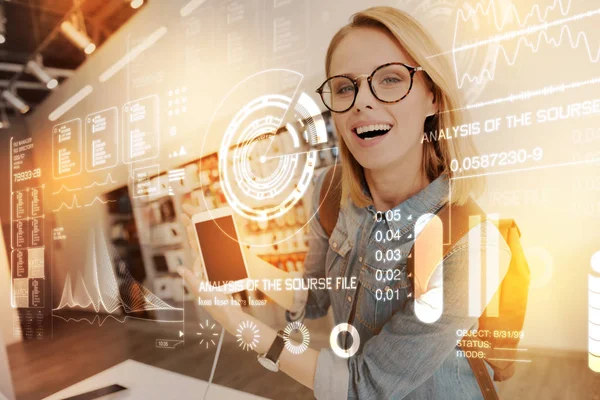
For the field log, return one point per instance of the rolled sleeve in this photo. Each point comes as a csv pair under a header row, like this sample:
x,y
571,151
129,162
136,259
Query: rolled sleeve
x,y
331,377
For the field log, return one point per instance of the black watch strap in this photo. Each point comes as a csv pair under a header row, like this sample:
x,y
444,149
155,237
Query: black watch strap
x,y
276,348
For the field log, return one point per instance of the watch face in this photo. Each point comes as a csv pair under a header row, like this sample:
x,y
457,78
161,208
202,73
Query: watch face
x,y
268,364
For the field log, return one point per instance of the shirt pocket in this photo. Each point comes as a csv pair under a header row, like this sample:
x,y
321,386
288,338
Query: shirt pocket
x,y
337,257
382,292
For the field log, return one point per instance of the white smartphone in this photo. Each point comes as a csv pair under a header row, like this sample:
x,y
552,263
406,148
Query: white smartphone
x,y
220,250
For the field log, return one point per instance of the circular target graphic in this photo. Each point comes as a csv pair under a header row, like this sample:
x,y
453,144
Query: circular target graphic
x,y
291,328
267,156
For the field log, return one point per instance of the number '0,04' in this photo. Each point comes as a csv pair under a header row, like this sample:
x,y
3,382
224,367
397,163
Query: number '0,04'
x,y
389,235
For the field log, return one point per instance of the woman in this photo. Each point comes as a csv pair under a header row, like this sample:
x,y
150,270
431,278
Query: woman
x,y
384,94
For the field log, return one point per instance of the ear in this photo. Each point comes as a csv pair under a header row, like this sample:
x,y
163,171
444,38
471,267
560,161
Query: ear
x,y
432,104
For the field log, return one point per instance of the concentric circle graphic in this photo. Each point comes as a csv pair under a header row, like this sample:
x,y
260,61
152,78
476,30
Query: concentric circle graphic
x,y
260,185
292,327
268,133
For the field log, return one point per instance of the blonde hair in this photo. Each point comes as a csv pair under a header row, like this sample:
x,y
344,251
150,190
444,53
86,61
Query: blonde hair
x,y
437,155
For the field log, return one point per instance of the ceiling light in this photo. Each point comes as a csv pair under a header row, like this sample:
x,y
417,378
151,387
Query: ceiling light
x,y
2,25
77,37
135,4
89,49
133,53
4,123
16,101
39,72
70,103
190,7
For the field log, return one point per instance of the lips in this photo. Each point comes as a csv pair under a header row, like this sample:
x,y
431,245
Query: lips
x,y
371,131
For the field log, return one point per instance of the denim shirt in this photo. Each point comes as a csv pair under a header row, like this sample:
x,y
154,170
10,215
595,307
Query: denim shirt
x,y
399,356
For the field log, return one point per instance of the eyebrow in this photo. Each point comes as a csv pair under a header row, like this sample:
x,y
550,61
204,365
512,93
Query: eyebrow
x,y
350,74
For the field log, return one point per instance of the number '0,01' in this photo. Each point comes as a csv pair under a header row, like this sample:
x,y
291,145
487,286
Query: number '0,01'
x,y
387,295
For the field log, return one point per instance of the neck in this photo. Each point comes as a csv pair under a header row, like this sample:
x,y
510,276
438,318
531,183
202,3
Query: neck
x,y
391,186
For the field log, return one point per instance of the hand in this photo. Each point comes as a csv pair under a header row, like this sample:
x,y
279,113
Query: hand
x,y
189,211
219,305
257,268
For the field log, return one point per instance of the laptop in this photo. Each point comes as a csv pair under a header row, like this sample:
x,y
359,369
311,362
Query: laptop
x,y
6,388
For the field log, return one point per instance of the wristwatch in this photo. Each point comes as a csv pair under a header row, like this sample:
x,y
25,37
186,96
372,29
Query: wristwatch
x,y
270,360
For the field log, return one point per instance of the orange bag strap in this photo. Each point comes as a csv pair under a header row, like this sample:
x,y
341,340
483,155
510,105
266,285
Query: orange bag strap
x,y
330,198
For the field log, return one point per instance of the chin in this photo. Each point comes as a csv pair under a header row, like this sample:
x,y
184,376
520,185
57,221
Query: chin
x,y
378,161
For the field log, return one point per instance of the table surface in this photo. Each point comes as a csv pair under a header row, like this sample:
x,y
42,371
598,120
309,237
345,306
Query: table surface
x,y
147,382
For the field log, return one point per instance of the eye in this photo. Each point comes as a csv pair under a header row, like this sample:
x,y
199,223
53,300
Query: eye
x,y
390,80
347,89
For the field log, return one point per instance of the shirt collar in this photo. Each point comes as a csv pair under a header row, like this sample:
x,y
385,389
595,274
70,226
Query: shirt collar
x,y
429,200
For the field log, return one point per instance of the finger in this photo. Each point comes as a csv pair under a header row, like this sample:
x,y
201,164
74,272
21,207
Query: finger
x,y
191,281
191,233
197,268
190,209
185,220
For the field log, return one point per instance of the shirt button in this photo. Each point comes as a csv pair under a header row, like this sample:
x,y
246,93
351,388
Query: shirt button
x,y
349,298
335,245
360,259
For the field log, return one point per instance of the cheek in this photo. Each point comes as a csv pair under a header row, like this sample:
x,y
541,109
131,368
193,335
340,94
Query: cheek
x,y
340,123
410,118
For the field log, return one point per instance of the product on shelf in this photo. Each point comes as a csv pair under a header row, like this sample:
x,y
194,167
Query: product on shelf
x,y
192,180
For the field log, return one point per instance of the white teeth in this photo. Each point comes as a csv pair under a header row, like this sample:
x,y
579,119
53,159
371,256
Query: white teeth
x,y
374,127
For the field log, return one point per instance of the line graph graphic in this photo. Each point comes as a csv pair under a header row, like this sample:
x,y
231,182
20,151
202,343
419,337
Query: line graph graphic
x,y
74,204
512,31
543,37
529,94
65,188
99,200
532,29
507,45
96,285
104,318
109,179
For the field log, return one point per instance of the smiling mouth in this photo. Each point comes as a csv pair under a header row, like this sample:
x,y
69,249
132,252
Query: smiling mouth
x,y
372,131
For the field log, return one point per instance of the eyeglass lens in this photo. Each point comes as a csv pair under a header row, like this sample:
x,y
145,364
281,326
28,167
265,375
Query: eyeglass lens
x,y
390,84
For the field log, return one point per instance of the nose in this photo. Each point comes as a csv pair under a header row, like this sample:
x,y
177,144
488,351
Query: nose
x,y
364,97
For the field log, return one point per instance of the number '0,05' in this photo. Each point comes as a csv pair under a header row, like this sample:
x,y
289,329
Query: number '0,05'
x,y
389,215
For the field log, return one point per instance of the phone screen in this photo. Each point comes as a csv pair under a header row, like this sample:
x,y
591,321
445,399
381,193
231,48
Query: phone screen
x,y
221,252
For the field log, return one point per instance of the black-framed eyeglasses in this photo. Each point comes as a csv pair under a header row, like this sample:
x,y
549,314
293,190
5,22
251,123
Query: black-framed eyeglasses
x,y
389,83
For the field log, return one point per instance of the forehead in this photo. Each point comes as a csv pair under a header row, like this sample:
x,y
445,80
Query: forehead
x,y
364,49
